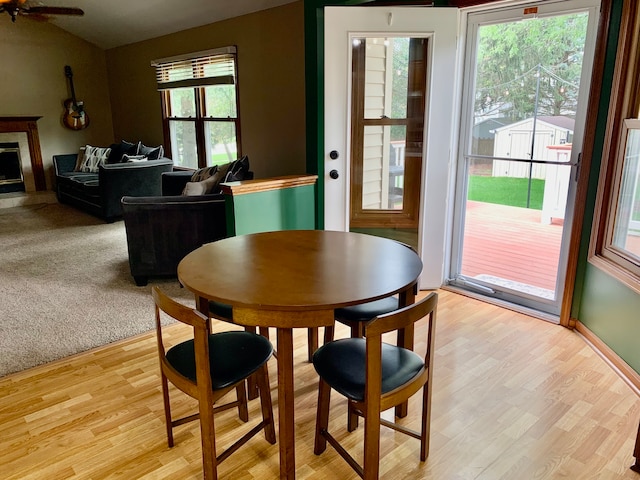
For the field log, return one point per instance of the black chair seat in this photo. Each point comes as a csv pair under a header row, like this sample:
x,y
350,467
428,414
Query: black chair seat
x,y
367,311
342,365
233,357
220,310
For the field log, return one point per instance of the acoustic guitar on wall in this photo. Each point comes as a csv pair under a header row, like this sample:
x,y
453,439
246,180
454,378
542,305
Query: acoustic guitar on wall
x,y
74,116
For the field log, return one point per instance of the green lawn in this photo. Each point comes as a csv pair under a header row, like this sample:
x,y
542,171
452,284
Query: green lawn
x,y
506,191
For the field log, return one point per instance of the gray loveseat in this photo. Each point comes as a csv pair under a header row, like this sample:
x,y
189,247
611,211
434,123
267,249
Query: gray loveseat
x,y
100,193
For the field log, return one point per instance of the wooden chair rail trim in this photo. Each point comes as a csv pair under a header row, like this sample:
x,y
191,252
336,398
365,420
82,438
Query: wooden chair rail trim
x,y
267,184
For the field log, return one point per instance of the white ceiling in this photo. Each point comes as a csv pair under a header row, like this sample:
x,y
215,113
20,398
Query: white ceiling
x,y
113,23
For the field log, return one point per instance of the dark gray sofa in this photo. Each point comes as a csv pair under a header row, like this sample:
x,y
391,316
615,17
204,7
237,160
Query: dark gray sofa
x,y
100,193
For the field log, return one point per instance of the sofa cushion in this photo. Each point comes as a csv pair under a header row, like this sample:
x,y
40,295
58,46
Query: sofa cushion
x,y
93,158
152,153
210,183
118,150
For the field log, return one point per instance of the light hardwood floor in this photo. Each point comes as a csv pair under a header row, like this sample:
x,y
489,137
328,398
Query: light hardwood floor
x,y
514,398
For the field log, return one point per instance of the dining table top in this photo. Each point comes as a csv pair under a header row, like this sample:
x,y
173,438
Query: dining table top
x,y
299,270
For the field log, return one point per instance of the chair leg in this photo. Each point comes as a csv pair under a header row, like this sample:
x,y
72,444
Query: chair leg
x,y
352,417
262,379
243,410
426,422
252,386
207,431
371,464
329,333
322,416
312,342
167,409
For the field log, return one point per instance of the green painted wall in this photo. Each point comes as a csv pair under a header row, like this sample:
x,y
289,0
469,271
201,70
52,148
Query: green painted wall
x,y
612,311
284,209
604,305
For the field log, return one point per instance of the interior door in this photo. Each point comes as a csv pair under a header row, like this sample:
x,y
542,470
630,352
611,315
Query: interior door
x,y
439,27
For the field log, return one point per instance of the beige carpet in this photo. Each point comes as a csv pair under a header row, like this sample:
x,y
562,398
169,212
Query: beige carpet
x,y
65,286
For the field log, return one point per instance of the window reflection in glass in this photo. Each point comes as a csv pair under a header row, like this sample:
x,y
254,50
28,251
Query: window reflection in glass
x,y
183,143
383,168
626,230
183,102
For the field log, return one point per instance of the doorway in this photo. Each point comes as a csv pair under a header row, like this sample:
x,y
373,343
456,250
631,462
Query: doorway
x,y
527,75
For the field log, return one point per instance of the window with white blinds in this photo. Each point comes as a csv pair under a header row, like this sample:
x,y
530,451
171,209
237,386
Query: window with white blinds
x,y
211,67
200,107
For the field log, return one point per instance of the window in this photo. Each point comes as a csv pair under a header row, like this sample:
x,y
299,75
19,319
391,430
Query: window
x,y
615,246
200,107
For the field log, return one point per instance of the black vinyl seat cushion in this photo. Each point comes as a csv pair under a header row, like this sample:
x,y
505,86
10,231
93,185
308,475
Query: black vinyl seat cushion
x,y
221,310
367,311
233,356
342,363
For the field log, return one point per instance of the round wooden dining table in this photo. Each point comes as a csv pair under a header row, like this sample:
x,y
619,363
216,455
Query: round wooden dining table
x,y
296,279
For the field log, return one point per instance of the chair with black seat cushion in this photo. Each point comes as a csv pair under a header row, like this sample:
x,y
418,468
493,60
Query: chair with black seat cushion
x,y
375,376
206,368
356,316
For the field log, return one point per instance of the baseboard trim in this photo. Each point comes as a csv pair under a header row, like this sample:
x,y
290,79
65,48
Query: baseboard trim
x,y
628,374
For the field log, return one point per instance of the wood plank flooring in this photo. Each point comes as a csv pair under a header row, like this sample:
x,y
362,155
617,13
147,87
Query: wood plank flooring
x,y
514,398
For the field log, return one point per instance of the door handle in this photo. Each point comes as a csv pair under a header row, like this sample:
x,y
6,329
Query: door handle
x,y
334,174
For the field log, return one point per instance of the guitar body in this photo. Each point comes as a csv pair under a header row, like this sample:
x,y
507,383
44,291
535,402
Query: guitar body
x,y
74,117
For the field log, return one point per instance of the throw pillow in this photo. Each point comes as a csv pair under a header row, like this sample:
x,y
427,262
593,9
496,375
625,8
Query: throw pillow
x,y
93,158
118,150
152,153
203,173
133,158
79,160
237,170
201,184
194,188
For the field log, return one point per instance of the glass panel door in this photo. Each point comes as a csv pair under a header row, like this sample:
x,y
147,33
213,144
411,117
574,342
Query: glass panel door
x,y
387,129
527,82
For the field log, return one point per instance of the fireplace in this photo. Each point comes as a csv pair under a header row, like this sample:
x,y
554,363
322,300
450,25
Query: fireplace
x,y
22,131
11,179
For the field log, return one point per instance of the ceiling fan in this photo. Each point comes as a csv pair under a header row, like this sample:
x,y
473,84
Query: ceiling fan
x,y
21,7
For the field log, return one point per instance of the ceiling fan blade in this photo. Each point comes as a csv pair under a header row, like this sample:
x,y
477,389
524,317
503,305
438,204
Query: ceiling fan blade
x,y
53,10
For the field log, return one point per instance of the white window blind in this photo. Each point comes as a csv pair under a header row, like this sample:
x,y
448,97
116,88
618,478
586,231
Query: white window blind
x,y
210,67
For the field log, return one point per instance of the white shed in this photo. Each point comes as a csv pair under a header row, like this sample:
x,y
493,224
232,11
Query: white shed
x,y
514,141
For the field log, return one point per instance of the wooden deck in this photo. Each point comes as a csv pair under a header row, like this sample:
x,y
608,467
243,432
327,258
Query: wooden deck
x,y
511,243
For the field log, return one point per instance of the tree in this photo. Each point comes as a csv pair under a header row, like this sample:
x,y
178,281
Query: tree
x,y
517,59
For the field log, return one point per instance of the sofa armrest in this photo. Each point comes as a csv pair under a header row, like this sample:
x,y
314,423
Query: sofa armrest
x,y
133,179
64,163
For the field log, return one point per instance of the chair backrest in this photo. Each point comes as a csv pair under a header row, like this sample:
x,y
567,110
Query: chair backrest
x,y
389,322
201,331
404,317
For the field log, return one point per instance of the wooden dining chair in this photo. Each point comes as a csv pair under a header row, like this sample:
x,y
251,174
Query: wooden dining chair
x,y
224,312
375,376
206,368
356,316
